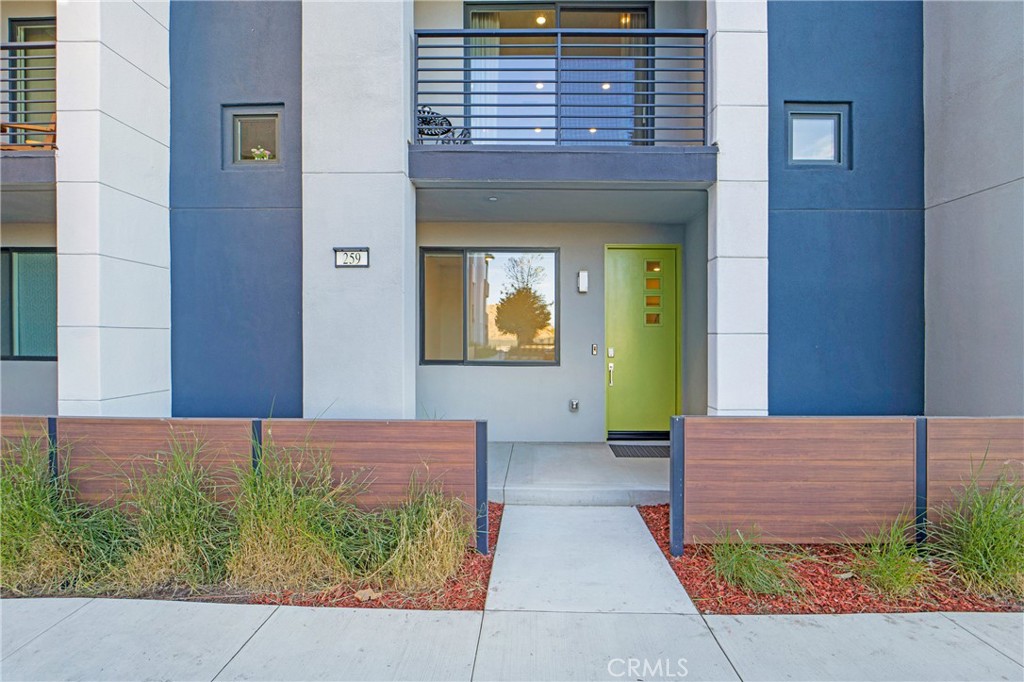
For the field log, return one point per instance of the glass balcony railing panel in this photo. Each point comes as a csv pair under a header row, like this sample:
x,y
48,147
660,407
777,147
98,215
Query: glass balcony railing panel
x,y
566,87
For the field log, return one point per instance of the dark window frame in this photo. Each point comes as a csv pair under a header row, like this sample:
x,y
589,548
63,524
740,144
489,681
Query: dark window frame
x,y
557,7
842,112
8,324
464,252
14,22
229,142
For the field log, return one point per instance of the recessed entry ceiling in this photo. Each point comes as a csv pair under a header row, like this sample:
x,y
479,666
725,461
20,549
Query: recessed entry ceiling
x,y
28,204
559,205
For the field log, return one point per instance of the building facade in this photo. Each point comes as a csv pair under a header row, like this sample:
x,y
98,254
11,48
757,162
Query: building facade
x,y
569,219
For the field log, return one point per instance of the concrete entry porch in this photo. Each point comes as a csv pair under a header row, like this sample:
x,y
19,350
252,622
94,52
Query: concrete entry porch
x,y
582,474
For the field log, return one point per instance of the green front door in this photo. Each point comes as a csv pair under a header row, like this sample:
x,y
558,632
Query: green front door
x,y
641,337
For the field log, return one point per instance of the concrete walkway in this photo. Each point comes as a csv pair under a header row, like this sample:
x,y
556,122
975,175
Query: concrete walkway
x,y
103,639
573,474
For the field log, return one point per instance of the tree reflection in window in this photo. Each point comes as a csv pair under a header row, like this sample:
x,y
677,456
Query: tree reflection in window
x,y
510,313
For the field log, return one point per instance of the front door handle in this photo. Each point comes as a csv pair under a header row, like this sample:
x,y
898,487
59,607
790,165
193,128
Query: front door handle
x,y
611,373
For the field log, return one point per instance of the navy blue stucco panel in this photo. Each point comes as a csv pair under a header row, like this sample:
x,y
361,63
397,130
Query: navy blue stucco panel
x,y
237,313
846,320
846,245
236,233
233,53
865,53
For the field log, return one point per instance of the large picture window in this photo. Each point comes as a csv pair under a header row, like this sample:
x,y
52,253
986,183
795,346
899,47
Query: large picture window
x,y
489,306
28,292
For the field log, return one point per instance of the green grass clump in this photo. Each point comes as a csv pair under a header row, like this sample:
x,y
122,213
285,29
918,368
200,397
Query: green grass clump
x,y
981,534
889,562
748,564
292,524
49,543
291,527
178,531
430,533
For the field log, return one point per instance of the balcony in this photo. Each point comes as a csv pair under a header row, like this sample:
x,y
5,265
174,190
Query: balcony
x,y
626,105
28,131
28,96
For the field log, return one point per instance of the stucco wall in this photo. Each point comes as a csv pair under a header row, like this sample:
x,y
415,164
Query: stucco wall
x,y
236,232
28,387
358,324
846,245
695,315
113,303
738,208
532,403
974,220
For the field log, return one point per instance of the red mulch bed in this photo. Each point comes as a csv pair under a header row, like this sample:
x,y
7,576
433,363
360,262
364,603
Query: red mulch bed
x,y
818,574
467,591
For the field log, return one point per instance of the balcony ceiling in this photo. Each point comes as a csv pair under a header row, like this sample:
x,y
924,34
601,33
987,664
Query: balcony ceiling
x,y
558,205
34,203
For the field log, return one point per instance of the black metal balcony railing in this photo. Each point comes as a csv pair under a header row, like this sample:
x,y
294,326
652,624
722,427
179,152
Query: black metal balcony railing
x,y
28,96
561,87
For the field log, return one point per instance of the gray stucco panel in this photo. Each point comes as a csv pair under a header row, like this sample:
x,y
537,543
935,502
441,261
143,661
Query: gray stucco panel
x,y
693,166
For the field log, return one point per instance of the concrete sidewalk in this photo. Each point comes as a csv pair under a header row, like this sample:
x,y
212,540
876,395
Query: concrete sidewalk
x,y
104,639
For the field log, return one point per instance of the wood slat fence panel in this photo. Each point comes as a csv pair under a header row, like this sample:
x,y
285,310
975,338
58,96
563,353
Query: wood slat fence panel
x,y
13,429
800,479
391,454
958,447
105,452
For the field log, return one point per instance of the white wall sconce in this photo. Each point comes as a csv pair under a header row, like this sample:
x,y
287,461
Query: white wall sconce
x,y
582,281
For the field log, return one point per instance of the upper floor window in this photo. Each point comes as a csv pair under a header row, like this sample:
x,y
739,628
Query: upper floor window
x,y
28,303
818,134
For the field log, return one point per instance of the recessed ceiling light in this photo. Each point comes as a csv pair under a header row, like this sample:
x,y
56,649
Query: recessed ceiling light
x,y
593,130
605,86
541,20
540,86
492,198
536,130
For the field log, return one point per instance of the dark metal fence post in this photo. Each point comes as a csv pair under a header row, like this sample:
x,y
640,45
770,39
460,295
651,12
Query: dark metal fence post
x,y
921,477
482,529
677,431
51,437
257,443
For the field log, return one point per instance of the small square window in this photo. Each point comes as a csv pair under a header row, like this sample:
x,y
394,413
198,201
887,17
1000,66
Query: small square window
x,y
252,135
815,137
255,138
818,134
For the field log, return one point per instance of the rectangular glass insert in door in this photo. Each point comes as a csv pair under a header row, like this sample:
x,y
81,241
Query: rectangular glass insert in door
x,y
642,338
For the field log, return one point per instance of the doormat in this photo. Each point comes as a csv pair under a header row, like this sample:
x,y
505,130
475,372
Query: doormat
x,y
639,450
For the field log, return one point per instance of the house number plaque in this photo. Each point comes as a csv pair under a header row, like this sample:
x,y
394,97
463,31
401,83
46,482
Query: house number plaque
x,y
351,256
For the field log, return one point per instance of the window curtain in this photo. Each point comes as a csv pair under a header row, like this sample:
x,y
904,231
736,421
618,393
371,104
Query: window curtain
x,y
484,55
643,109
